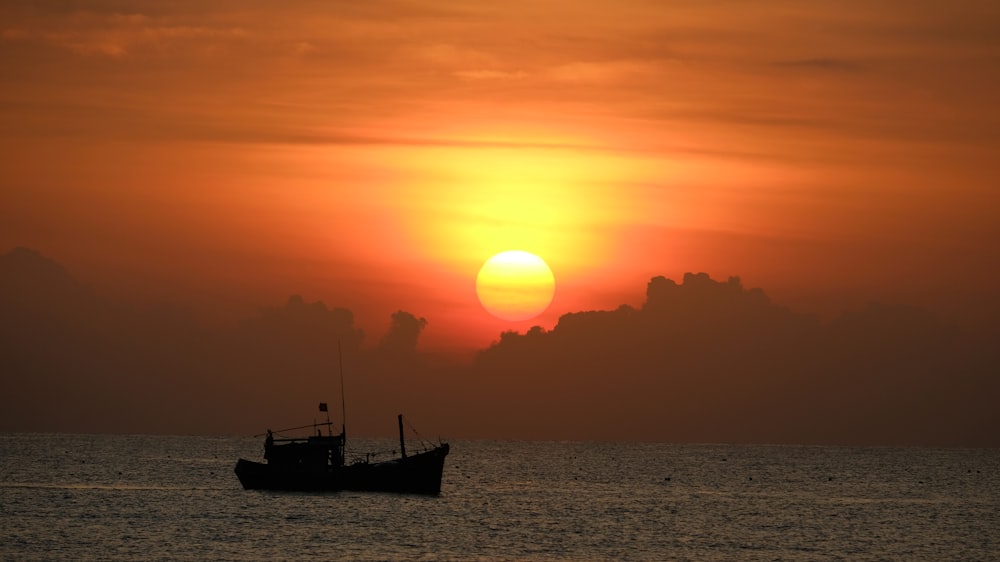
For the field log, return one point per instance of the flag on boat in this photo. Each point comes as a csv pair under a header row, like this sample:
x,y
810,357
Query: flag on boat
x,y
322,406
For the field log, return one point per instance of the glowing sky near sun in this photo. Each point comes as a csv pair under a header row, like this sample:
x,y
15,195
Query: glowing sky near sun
x,y
374,154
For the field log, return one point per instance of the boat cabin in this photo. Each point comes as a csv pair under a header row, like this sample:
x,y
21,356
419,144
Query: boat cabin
x,y
315,451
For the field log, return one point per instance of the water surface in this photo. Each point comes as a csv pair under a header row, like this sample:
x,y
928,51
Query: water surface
x,y
104,497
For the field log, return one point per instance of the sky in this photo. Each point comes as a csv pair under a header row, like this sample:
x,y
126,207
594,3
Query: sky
x,y
222,157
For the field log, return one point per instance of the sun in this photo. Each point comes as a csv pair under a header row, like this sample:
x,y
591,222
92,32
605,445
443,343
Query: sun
x,y
515,285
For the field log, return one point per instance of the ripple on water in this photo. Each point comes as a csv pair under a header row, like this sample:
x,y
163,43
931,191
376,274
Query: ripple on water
x,y
135,497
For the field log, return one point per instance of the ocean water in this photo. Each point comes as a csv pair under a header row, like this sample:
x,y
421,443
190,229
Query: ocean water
x,y
108,497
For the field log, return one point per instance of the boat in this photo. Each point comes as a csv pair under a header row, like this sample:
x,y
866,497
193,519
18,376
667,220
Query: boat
x,y
315,463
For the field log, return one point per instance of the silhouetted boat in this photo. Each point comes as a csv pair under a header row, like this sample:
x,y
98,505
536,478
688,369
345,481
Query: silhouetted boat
x,y
316,464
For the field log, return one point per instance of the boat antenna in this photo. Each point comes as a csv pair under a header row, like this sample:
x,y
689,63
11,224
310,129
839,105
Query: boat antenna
x,y
343,401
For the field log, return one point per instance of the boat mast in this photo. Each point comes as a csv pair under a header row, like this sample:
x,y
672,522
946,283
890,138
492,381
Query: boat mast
x,y
402,444
343,401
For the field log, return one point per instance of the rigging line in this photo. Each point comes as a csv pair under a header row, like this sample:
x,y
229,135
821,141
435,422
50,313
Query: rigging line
x,y
420,438
279,431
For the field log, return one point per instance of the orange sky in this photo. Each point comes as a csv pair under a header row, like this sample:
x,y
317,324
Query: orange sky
x,y
373,155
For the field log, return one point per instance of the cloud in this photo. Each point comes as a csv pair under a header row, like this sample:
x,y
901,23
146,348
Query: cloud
x,y
14,34
106,121
403,334
490,75
302,48
450,55
602,71
130,19
821,63
303,327
118,34
118,42
708,360
700,360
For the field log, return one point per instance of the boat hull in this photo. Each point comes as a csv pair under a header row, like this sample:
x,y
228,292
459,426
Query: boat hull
x,y
416,474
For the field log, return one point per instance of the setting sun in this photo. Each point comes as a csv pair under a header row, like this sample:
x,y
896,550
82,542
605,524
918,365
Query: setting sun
x,y
515,285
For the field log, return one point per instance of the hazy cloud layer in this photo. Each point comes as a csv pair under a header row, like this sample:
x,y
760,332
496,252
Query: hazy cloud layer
x,y
701,360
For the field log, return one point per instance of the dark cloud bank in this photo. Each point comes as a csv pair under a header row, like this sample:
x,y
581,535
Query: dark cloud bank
x,y
700,361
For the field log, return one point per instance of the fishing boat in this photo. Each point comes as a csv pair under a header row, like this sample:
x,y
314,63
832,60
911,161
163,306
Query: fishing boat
x,y
315,463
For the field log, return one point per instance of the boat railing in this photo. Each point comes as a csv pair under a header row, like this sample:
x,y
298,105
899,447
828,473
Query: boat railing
x,y
369,457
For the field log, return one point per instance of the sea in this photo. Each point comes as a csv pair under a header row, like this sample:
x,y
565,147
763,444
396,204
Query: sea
x,y
139,497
